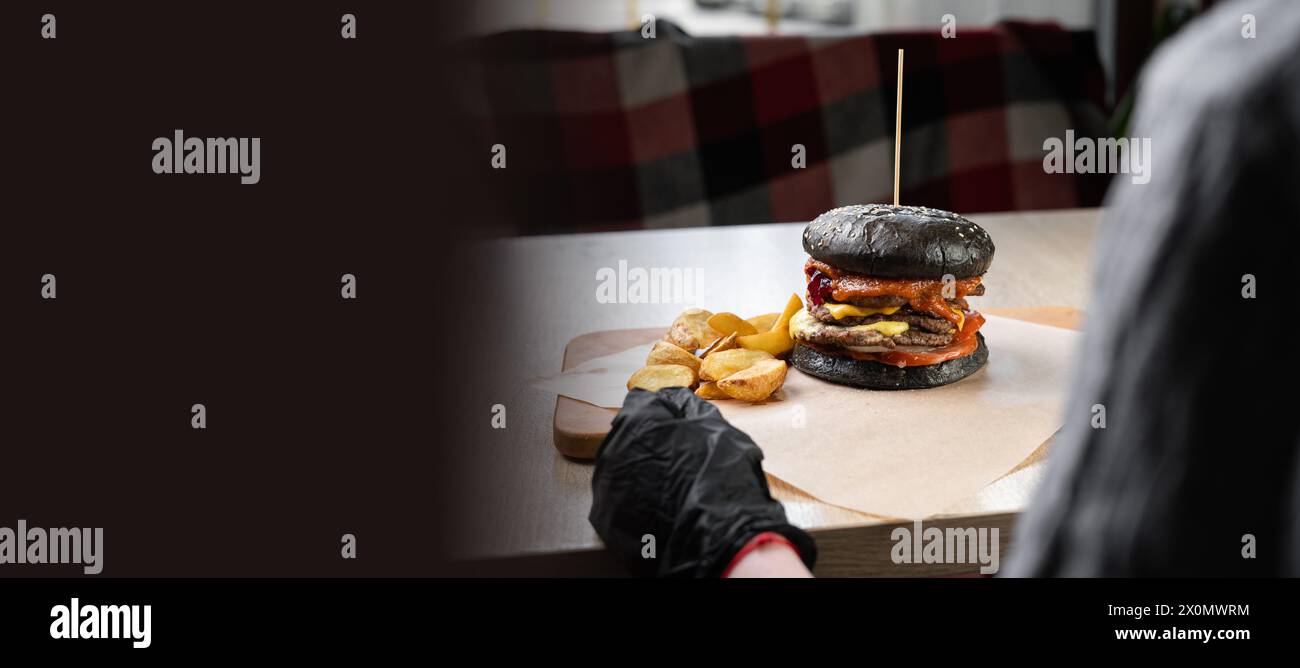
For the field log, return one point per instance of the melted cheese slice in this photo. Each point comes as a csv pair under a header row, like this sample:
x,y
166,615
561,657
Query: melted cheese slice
x,y
839,311
803,323
885,327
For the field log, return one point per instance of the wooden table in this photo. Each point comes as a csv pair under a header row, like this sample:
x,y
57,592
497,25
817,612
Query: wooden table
x,y
530,504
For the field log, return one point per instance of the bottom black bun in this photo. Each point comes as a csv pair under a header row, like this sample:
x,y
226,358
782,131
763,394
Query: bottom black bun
x,y
877,376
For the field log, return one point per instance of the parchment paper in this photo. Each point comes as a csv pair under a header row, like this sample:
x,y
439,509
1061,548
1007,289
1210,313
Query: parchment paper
x,y
600,380
905,454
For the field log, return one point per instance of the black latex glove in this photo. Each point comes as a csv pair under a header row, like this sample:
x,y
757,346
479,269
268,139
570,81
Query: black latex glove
x,y
673,468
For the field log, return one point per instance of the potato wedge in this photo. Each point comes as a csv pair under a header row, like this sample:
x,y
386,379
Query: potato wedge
x,y
791,307
691,330
756,383
658,376
719,365
708,390
664,352
720,344
775,341
728,323
763,322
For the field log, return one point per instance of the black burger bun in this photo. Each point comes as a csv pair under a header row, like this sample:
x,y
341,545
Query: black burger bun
x,y
877,376
899,242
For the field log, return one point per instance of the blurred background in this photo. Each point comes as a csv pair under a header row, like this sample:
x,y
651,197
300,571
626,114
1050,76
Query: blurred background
x,y
628,114
739,17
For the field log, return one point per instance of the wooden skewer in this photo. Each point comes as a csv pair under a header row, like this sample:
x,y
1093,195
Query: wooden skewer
x,y
898,123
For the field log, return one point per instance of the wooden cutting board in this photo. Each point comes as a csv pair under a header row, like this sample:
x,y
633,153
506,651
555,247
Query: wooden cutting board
x,y
580,426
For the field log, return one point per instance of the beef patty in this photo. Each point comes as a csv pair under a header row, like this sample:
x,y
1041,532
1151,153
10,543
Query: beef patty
x,y
813,330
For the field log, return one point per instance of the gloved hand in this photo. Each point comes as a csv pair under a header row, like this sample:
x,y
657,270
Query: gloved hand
x,y
673,468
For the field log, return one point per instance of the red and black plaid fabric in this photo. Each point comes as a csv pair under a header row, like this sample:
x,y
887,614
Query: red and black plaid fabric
x,y
613,131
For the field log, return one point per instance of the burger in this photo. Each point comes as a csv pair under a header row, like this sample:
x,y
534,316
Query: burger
x,y
887,289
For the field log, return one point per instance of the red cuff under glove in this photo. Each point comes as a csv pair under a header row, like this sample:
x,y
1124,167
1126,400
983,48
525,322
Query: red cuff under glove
x,y
765,538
